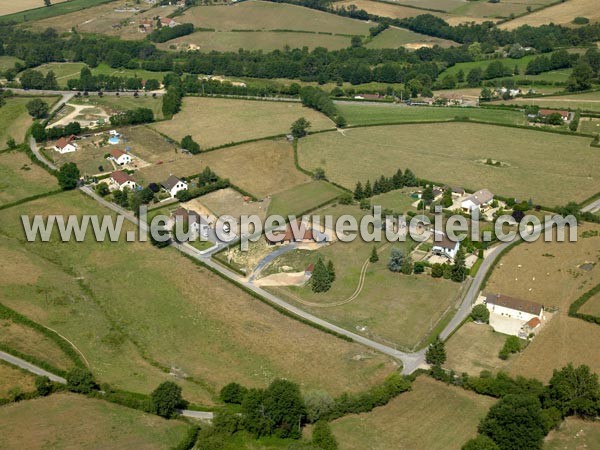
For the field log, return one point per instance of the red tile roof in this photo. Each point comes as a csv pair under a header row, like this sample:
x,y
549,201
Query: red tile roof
x,y
116,153
547,112
121,177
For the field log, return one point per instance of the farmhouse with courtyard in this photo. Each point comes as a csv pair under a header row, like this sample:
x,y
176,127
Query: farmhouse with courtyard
x,y
65,145
514,307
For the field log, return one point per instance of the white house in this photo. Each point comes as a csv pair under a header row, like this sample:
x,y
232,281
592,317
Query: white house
x,y
168,22
515,308
65,145
120,157
121,180
444,246
173,185
480,200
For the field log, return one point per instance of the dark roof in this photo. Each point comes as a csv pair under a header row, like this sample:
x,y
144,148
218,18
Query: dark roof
x,y
186,214
514,303
170,182
121,177
445,242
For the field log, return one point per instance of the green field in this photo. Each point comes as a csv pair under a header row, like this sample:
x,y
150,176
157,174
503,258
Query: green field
x,y
258,15
432,415
398,201
15,120
521,63
132,324
302,198
8,62
19,178
483,8
589,101
71,70
57,9
399,37
357,113
113,105
393,308
536,163
67,421
589,125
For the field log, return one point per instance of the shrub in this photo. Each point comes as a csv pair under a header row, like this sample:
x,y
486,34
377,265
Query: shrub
x,y
511,345
80,380
480,313
233,393
322,437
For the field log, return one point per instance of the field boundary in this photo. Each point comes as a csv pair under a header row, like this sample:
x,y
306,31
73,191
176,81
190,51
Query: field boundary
x,y
53,11
577,304
30,199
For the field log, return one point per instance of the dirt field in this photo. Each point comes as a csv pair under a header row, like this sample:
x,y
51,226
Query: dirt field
x,y
215,121
229,202
592,306
574,434
257,15
561,14
549,273
22,5
432,415
474,348
538,173
13,378
69,421
163,306
20,178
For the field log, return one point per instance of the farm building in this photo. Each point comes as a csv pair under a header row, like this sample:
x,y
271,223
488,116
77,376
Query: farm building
x,y
65,145
168,22
121,180
120,157
566,115
444,246
530,327
514,307
173,185
480,200
302,235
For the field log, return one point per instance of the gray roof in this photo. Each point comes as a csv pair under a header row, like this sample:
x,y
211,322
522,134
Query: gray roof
x,y
170,182
481,197
514,303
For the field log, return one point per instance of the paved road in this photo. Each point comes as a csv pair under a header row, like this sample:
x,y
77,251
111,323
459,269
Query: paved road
x,y
36,151
592,207
202,415
30,367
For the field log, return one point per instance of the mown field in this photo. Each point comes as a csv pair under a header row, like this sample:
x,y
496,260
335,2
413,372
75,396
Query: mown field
x,y
259,15
592,306
302,198
432,415
574,434
168,312
22,5
537,165
561,14
399,37
20,178
549,273
216,121
67,421
590,101
373,114
15,120
232,41
393,308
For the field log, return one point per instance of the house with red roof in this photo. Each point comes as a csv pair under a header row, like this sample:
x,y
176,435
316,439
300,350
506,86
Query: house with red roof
x,y
121,180
120,157
66,144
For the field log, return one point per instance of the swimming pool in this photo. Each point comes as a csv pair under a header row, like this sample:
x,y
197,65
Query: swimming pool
x,y
113,140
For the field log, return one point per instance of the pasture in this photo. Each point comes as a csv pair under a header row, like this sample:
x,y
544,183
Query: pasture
x,y
400,37
431,415
549,273
537,165
12,379
574,434
20,178
232,41
560,14
389,307
8,62
15,120
589,125
521,63
592,306
259,15
303,198
589,101
66,421
22,5
357,113
215,121
130,324
398,201
483,8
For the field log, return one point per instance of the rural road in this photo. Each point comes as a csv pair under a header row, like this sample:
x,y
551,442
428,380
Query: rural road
x,y
36,151
592,207
91,93
30,367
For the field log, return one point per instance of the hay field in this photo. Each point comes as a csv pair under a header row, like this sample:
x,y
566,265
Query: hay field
x,y
14,378
502,9
170,312
20,178
561,14
232,41
538,165
592,306
589,101
68,421
22,5
259,15
15,120
432,415
399,37
574,434
549,273
216,121
302,198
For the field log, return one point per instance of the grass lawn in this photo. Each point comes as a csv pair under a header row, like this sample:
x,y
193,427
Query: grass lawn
x,y
232,41
163,313
63,421
473,348
393,308
561,14
400,37
302,198
12,378
574,434
536,164
432,415
590,101
549,273
357,113
259,15
218,121
19,178
398,201
8,62
15,120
